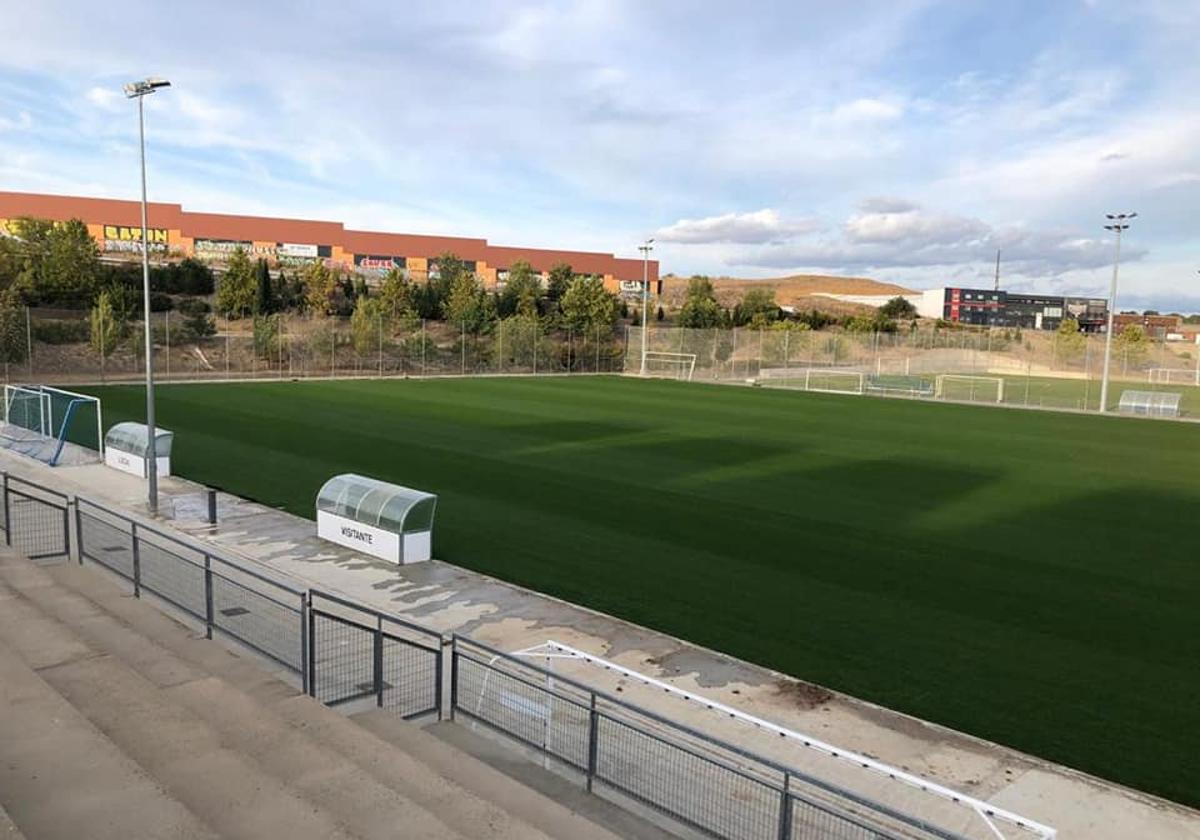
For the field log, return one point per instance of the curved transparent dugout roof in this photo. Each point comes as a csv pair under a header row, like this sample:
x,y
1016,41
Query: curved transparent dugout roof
x,y
370,501
134,438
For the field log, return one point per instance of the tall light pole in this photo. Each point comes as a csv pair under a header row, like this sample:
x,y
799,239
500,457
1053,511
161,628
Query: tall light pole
x,y
646,247
139,91
1118,222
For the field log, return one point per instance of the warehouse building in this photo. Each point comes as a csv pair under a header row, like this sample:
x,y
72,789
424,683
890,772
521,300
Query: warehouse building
x,y
212,237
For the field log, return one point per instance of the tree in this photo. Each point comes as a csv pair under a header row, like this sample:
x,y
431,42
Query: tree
x,y
61,262
319,287
444,272
1133,344
700,308
587,306
267,342
1069,342
468,306
107,328
757,309
521,293
898,308
14,347
367,325
265,302
558,281
236,291
397,296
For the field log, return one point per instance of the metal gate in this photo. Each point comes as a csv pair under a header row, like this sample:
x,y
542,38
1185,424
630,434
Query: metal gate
x,y
36,519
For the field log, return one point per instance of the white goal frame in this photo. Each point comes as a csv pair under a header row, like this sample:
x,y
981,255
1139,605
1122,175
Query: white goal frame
x,y
856,386
685,362
939,386
1166,376
51,428
990,815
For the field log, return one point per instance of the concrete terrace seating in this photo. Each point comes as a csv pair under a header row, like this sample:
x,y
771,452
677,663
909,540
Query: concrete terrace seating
x,y
118,722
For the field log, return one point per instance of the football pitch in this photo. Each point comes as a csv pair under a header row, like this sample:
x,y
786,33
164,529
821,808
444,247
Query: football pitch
x,y
1027,577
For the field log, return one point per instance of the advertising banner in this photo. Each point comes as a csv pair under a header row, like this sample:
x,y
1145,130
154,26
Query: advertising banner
x,y
291,249
223,248
127,238
371,262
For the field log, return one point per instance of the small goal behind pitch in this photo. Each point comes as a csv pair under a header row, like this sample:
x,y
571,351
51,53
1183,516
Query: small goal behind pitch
x,y
965,388
824,380
680,366
52,424
1174,376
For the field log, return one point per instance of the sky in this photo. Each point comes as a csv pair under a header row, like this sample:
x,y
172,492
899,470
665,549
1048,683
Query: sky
x,y
905,140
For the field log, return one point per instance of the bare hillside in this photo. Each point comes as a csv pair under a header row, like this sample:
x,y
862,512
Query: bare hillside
x,y
796,290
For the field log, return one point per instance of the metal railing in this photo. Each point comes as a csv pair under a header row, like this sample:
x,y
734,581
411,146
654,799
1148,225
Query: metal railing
x,y
356,653
699,781
264,614
36,519
345,653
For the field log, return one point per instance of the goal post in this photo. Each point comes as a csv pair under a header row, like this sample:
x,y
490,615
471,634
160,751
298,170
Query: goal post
x,y
1174,376
823,380
966,388
680,366
51,424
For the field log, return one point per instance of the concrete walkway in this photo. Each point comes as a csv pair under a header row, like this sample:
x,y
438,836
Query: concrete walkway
x,y
451,599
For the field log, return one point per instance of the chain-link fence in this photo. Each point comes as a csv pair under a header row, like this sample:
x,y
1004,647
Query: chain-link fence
x,y
1032,368
61,347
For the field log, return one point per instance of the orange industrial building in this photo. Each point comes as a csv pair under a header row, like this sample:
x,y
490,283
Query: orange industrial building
x,y
173,231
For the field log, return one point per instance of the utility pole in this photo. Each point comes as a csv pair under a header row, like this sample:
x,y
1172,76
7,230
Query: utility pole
x,y
997,270
1118,222
139,91
645,248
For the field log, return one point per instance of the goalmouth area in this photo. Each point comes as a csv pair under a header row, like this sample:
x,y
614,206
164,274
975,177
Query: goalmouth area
x,y
1022,576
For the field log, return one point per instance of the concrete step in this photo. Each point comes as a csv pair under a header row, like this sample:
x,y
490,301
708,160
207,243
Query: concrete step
x,y
496,772
454,797
62,778
217,763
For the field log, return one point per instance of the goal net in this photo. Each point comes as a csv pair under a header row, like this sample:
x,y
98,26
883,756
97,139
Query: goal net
x,y
52,424
962,388
680,366
1180,376
825,380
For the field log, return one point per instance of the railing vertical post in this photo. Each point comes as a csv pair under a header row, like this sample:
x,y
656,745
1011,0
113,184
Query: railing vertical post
x,y
453,675
785,808
66,522
304,643
312,649
79,530
208,597
593,741
378,664
8,527
439,673
137,561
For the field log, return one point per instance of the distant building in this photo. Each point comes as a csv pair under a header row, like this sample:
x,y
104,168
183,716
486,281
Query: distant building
x,y
1157,326
212,237
999,308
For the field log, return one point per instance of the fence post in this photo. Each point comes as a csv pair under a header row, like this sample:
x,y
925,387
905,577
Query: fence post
x,y
66,520
137,561
78,530
453,675
304,643
378,661
785,808
208,597
8,527
312,649
439,670
593,742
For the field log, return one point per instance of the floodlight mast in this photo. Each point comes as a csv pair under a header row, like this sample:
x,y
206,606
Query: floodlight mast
x,y
1118,222
646,247
139,90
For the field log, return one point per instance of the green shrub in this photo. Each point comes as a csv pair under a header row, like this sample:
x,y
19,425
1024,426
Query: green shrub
x,y
75,331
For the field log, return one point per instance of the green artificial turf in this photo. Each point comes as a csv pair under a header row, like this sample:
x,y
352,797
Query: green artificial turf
x,y
1024,576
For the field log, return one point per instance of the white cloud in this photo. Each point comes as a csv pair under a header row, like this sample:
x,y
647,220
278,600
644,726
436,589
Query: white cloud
x,y
760,226
866,111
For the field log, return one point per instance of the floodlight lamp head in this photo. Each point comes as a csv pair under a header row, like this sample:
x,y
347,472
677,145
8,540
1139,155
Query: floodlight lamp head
x,y
145,87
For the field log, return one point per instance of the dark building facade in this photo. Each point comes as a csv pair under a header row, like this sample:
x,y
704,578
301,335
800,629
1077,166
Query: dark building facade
x,y
998,308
